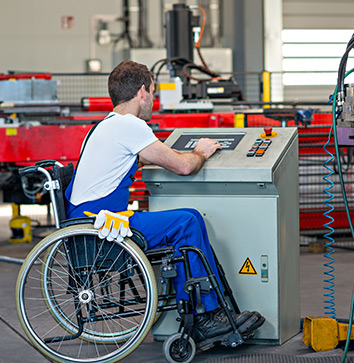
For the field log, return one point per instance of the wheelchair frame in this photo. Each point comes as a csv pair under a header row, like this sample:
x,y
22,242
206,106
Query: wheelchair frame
x,y
88,288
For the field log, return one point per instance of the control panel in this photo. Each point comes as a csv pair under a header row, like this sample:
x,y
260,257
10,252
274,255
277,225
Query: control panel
x,y
247,154
256,170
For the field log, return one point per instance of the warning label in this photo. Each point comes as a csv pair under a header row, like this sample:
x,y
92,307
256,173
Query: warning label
x,y
247,268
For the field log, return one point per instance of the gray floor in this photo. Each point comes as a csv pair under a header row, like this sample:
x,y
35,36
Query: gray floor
x,y
14,346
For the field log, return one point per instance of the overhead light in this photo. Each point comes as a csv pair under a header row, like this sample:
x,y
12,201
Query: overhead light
x,y
94,65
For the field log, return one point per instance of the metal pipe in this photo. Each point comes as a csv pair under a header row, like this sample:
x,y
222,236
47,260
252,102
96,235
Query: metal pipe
x,y
18,261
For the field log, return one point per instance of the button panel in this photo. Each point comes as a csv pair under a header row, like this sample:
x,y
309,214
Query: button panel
x,y
259,147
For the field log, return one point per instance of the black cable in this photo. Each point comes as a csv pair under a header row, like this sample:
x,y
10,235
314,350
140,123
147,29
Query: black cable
x,y
174,60
343,66
201,69
152,69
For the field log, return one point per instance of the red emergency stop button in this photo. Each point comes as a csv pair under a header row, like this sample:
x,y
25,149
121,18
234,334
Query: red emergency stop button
x,y
268,131
268,134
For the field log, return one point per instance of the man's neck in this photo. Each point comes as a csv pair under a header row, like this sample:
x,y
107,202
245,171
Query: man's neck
x,y
127,107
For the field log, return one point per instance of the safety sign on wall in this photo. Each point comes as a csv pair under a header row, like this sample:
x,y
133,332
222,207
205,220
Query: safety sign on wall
x,y
247,268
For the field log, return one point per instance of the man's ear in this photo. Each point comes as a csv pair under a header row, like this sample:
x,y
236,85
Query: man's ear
x,y
142,92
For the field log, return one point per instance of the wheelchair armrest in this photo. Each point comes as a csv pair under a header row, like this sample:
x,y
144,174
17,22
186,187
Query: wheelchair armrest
x,y
139,239
157,252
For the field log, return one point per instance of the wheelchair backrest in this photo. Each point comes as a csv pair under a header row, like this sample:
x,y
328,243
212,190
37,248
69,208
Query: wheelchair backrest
x,y
63,175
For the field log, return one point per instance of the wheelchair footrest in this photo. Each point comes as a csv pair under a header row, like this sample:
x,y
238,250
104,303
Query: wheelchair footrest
x,y
227,340
233,340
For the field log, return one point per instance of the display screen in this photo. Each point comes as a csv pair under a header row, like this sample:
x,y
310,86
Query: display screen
x,y
228,141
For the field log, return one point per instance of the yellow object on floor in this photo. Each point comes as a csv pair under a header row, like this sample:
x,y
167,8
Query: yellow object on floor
x,y
20,226
322,333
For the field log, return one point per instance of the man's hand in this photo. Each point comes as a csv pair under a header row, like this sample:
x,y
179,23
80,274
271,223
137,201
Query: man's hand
x,y
112,226
206,147
185,163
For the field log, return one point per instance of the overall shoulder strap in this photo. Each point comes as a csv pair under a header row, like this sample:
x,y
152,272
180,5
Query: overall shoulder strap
x,y
88,136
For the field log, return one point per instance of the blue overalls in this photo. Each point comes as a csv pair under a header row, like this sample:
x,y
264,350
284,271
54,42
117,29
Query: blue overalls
x,y
179,227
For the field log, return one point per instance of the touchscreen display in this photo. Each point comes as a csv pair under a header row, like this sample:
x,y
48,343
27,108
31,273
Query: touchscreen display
x,y
188,141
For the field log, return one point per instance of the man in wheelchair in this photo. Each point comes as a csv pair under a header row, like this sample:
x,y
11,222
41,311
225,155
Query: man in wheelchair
x,y
110,156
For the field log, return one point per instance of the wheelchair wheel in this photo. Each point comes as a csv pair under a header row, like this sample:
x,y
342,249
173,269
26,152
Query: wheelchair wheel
x,y
172,349
55,308
75,285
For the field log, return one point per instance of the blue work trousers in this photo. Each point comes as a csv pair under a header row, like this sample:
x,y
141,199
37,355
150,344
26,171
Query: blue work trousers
x,y
180,227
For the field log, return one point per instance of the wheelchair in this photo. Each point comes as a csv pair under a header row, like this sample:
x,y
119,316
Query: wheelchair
x,y
80,298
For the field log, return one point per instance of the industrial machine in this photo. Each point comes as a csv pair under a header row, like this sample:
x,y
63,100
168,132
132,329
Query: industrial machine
x,y
248,195
345,119
186,91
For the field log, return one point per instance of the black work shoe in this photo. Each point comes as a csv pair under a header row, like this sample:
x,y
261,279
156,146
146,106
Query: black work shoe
x,y
209,325
214,327
248,328
239,319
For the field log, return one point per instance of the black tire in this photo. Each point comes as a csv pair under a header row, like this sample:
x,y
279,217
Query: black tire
x,y
173,354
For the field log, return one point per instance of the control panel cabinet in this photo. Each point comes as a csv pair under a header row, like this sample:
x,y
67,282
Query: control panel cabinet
x,y
248,195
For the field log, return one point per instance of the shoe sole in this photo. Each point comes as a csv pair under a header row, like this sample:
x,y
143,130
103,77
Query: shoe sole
x,y
248,329
211,342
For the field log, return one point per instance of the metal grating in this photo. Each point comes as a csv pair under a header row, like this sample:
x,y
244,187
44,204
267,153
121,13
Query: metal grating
x,y
72,87
278,358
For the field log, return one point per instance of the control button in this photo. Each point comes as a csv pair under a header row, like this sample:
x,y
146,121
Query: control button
x,y
263,147
260,152
251,152
255,146
268,131
259,140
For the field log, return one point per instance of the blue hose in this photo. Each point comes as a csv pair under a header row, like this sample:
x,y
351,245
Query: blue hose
x,y
347,343
329,296
329,309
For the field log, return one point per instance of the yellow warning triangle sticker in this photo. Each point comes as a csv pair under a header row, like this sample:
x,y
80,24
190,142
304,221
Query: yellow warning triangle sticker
x,y
247,268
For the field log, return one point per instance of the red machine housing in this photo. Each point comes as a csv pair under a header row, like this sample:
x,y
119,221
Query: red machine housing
x,y
26,145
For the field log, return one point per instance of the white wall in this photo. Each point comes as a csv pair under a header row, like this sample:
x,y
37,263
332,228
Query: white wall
x,y
273,26
32,37
318,14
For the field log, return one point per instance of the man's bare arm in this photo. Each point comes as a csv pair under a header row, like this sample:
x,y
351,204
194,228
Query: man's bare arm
x,y
187,163
142,162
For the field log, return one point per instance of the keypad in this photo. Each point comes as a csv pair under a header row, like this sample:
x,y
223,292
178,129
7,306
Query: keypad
x,y
258,148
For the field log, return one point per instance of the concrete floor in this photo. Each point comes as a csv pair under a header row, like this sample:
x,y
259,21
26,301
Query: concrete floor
x,y
15,347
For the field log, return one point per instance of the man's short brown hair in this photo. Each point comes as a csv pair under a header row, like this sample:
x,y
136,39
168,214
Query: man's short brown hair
x,y
126,79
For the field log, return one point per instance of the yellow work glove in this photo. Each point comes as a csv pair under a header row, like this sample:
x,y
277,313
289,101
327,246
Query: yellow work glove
x,y
112,226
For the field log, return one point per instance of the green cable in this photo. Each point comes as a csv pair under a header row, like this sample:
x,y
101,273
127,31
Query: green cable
x,y
345,352
347,342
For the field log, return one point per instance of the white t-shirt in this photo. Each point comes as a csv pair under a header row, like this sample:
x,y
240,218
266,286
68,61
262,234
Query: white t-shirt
x,y
109,154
